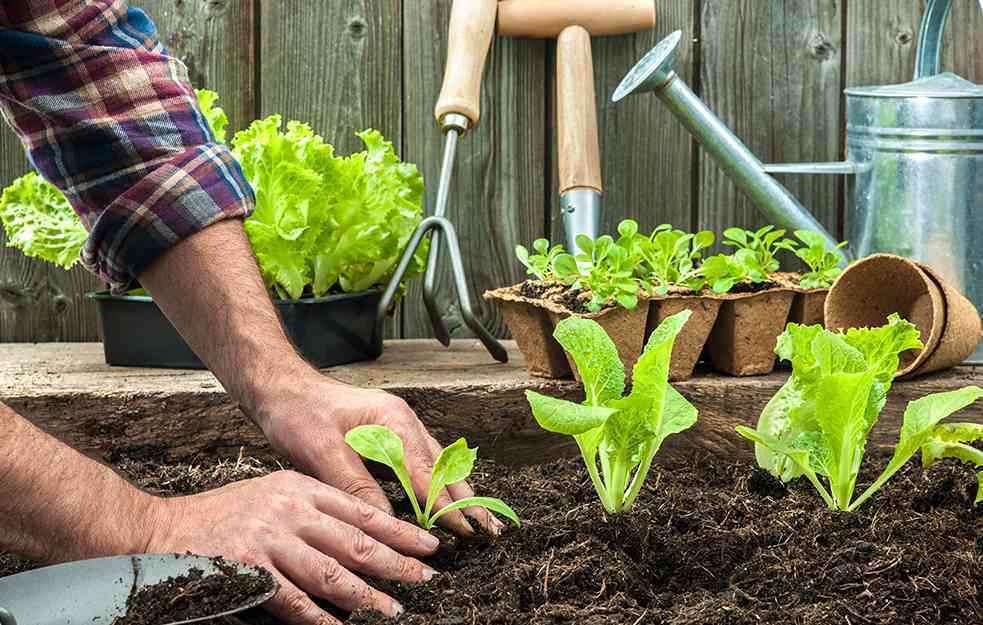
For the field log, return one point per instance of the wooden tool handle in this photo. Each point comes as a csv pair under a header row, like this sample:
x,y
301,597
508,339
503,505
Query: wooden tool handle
x,y
576,112
547,18
471,29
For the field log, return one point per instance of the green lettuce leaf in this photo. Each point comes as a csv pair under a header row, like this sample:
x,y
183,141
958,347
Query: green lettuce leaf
x,y
214,115
601,370
39,221
324,222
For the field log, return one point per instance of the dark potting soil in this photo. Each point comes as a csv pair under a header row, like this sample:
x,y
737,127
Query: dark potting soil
x,y
193,595
753,287
708,543
574,300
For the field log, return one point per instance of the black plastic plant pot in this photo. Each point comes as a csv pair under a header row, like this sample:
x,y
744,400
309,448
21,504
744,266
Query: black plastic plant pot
x,y
327,331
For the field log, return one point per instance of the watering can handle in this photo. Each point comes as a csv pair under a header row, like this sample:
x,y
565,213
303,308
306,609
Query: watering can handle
x,y
6,618
928,61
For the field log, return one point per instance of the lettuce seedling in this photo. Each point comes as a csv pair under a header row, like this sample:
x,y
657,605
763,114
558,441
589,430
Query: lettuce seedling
x,y
817,424
539,265
455,463
722,272
669,258
605,268
757,248
823,263
618,436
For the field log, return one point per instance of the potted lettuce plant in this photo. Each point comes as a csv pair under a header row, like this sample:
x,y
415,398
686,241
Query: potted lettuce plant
x,y
327,232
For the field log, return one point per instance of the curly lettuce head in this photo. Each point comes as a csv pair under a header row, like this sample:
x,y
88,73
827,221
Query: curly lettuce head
x,y
40,222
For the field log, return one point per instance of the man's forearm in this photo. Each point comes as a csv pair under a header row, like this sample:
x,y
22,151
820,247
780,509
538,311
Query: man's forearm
x,y
210,288
57,505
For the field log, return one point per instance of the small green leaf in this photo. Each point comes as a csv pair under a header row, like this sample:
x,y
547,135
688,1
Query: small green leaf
x,y
455,463
566,417
379,443
495,505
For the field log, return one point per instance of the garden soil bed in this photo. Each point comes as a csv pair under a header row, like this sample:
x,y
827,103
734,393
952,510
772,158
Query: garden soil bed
x,y
711,543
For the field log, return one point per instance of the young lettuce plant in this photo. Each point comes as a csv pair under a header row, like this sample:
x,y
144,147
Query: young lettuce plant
x,y
605,268
823,263
541,264
669,258
618,436
817,424
757,248
455,463
39,221
723,271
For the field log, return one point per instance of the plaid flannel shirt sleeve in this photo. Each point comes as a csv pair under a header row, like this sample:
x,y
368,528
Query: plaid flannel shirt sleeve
x,y
106,115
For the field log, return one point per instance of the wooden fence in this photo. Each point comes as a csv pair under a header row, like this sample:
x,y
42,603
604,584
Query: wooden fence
x,y
774,70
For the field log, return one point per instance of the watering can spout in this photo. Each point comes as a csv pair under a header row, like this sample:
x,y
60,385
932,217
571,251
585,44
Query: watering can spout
x,y
656,73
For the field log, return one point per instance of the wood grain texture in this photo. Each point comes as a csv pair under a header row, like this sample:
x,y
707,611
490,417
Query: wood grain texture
x,y
646,156
882,39
772,71
579,152
472,27
498,191
68,391
336,66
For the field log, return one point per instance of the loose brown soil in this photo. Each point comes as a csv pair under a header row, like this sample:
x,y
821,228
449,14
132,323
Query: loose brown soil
x,y
191,596
708,543
753,287
574,300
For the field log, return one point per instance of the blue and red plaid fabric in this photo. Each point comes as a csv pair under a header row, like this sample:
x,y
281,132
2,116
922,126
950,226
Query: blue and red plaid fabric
x,y
108,117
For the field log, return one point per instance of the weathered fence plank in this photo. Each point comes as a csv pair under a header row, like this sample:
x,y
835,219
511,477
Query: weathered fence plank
x,y
882,40
771,71
336,66
646,156
498,190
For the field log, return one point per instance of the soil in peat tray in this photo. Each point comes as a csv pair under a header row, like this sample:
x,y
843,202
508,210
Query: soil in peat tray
x,y
193,595
753,287
574,300
708,543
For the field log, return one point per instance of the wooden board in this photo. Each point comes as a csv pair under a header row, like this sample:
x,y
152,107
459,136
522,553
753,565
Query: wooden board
x,y
772,72
68,391
646,155
498,187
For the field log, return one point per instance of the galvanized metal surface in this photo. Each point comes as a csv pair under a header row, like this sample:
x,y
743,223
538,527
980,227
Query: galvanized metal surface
x,y
915,161
94,592
581,211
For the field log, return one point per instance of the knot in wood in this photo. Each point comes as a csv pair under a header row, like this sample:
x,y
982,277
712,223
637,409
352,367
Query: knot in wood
x,y
357,28
820,47
904,37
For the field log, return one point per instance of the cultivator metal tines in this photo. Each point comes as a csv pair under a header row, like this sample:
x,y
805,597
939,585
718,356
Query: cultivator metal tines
x,y
472,25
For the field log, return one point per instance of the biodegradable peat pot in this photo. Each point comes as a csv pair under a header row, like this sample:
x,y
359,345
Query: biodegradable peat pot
x,y
808,307
689,344
327,331
883,284
625,327
532,330
743,340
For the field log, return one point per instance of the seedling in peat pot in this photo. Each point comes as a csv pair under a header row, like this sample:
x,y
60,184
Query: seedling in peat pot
x,y
757,249
823,263
455,463
618,436
539,265
669,258
818,422
722,272
605,268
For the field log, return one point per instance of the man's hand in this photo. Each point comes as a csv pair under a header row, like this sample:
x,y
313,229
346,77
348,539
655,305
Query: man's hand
x,y
210,288
307,416
314,538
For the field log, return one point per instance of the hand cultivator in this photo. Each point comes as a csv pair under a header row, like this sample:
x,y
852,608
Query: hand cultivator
x,y
458,111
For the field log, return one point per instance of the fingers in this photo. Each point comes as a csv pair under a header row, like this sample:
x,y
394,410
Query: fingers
x,y
401,536
348,473
358,551
324,577
292,605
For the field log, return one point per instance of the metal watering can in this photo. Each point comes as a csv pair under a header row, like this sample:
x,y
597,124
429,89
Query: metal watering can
x,y
914,160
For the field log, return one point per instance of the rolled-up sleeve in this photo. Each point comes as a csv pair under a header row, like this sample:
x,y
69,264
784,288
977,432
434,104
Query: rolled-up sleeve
x,y
107,116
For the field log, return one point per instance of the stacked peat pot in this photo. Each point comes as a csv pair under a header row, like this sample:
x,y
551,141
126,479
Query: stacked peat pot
x,y
740,302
